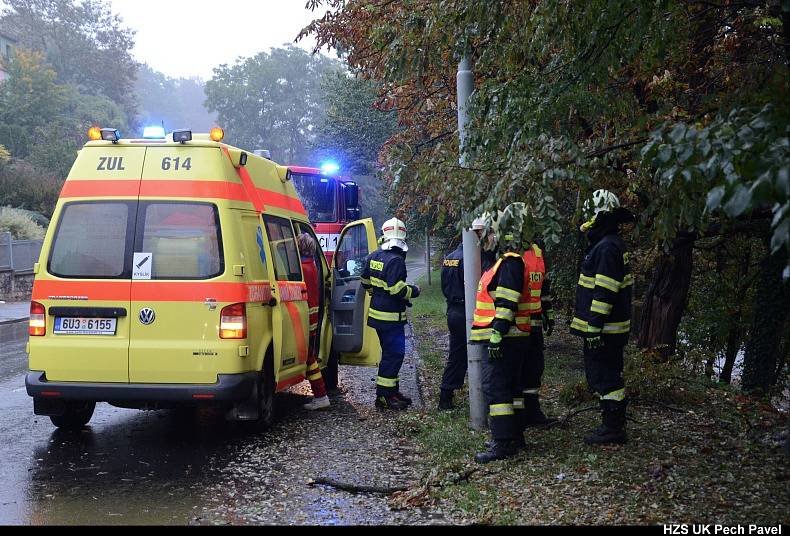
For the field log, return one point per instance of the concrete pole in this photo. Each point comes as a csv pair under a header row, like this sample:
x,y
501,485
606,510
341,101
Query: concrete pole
x,y
428,254
478,417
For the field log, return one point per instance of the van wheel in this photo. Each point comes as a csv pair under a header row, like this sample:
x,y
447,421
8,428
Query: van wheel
x,y
266,388
76,416
330,372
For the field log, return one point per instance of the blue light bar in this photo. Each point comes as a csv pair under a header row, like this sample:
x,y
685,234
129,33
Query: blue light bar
x,y
153,132
329,167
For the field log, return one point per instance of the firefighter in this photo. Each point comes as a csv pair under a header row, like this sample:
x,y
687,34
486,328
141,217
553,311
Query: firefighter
x,y
526,401
384,275
603,312
453,290
307,252
499,325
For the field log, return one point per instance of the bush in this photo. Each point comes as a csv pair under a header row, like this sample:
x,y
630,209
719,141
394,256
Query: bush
x,y
26,186
19,224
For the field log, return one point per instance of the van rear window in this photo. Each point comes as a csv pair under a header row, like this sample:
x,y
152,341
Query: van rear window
x,y
91,241
183,239
98,240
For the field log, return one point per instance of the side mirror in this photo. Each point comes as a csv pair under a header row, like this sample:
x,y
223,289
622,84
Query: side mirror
x,y
351,195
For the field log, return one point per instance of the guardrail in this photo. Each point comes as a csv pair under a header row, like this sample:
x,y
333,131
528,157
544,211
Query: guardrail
x,y
18,256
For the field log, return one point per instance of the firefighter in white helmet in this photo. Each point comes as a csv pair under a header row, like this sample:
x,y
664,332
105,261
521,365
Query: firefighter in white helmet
x,y
603,312
384,275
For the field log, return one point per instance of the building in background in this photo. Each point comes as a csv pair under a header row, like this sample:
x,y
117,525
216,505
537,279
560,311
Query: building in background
x,y
7,45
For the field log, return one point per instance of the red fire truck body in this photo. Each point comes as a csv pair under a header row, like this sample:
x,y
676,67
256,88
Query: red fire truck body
x,y
331,201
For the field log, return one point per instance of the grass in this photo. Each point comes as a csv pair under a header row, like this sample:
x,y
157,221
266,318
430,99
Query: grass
x,y
702,455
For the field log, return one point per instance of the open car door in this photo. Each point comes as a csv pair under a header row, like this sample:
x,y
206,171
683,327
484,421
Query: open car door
x,y
352,339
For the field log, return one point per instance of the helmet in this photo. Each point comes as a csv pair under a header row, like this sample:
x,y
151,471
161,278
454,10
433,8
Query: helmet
x,y
602,201
394,235
479,223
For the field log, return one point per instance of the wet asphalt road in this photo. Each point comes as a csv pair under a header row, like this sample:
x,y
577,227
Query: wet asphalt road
x,y
192,467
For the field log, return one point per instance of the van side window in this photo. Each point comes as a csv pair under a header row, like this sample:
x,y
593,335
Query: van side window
x,y
183,238
91,241
283,247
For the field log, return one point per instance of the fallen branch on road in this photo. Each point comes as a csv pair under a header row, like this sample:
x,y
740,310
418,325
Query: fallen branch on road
x,y
355,488
562,422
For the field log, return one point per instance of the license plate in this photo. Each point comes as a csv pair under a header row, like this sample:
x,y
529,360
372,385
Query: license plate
x,y
84,326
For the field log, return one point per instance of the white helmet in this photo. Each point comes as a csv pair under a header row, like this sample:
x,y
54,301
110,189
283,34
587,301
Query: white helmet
x,y
602,201
479,223
394,235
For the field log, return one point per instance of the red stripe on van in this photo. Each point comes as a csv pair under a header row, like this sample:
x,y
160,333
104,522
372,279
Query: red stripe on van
x,y
179,189
194,291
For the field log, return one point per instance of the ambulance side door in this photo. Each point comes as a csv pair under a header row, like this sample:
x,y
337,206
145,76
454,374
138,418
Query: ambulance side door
x,y
355,342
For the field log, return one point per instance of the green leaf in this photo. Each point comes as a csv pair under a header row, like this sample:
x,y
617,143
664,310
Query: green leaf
x,y
678,132
739,202
664,153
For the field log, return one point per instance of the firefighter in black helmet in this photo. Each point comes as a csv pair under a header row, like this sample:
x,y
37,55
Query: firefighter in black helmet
x,y
603,312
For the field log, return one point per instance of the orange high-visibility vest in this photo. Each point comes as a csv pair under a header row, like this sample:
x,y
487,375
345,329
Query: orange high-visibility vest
x,y
485,310
534,274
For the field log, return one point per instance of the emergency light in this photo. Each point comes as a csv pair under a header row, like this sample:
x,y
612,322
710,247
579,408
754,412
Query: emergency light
x,y
182,136
110,134
329,167
153,132
94,133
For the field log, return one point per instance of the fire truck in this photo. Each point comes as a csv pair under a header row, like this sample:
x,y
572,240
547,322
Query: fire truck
x,y
331,201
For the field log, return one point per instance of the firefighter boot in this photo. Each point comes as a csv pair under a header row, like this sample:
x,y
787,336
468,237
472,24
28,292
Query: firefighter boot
x,y
389,400
533,415
612,430
446,399
403,398
520,443
498,450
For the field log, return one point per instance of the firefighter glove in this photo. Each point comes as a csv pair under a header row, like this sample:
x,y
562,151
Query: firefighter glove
x,y
494,346
593,343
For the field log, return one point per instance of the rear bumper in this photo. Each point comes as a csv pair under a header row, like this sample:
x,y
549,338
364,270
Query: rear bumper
x,y
229,388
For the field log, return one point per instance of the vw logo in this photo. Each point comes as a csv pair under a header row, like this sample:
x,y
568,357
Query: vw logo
x,y
147,316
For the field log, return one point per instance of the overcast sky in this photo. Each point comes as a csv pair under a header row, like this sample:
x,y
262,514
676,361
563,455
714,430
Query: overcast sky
x,y
211,32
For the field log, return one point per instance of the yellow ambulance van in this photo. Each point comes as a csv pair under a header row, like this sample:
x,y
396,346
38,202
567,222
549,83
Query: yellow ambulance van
x,y
170,276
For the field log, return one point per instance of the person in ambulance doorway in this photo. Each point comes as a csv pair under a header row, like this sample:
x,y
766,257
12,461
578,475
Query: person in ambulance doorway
x,y
384,276
603,312
307,252
502,322
453,289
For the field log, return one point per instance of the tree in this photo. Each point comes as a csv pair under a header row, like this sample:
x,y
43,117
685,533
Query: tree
x,y
271,100
574,96
85,43
176,102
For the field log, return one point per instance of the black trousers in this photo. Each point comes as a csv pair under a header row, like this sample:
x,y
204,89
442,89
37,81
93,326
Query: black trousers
x,y
498,388
604,368
534,362
455,370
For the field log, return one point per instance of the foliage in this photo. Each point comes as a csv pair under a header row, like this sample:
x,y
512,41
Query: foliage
x,y
19,224
738,164
45,122
271,100
24,186
85,43
176,102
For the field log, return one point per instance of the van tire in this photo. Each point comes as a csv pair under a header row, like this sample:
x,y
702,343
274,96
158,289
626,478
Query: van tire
x,y
77,415
265,392
330,372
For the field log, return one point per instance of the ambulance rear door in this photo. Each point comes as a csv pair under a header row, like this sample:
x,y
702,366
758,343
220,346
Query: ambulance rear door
x,y
355,342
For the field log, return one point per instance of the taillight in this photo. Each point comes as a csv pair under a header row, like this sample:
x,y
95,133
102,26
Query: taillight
x,y
233,322
38,320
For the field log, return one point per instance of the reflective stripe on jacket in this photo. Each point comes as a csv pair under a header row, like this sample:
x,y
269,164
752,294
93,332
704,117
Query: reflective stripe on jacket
x,y
534,274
